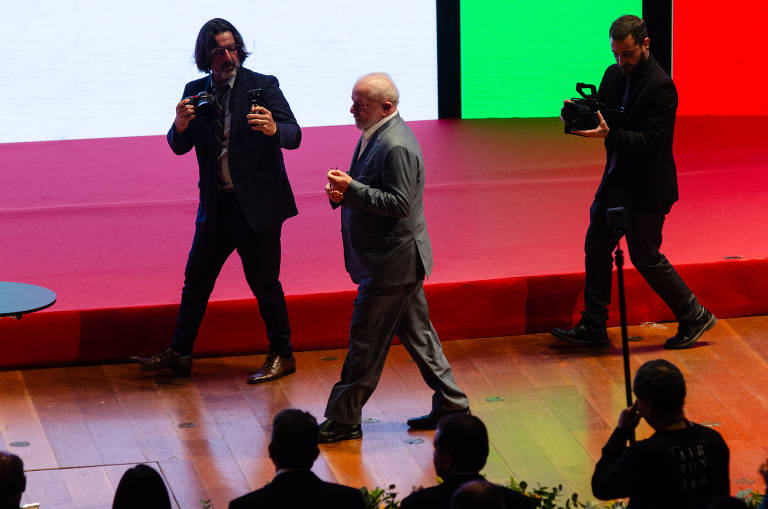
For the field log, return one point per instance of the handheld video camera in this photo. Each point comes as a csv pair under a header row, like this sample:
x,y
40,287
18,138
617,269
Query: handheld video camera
x,y
581,113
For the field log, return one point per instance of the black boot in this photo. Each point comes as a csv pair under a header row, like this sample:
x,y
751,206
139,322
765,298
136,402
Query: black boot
x,y
689,331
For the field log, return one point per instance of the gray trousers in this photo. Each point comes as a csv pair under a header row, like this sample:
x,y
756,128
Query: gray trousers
x,y
379,314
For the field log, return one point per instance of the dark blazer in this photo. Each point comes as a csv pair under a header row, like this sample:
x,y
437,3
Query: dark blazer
x,y
641,136
439,497
300,490
382,216
255,160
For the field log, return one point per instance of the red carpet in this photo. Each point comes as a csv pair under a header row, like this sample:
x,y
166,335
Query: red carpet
x,y
107,225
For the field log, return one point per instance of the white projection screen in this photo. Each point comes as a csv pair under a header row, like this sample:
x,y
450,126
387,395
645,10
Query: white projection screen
x,y
96,69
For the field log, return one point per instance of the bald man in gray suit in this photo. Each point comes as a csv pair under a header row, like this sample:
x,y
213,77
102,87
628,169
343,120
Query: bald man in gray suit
x,y
387,252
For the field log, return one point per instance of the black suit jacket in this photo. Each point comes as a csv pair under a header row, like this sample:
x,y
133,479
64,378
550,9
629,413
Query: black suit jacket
x,y
255,160
439,497
640,137
382,218
300,490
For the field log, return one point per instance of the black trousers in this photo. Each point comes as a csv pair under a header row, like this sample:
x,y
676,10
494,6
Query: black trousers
x,y
643,242
260,256
379,314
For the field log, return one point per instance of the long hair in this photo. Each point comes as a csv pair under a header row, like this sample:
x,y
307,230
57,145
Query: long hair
x,y
206,42
141,486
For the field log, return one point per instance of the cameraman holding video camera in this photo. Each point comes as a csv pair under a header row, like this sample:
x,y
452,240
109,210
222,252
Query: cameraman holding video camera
x,y
238,122
637,123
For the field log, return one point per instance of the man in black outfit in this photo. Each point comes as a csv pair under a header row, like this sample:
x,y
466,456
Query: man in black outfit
x,y
244,193
461,449
682,465
293,449
637,123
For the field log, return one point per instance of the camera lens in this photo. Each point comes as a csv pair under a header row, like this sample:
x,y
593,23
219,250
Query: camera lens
x,y
206,109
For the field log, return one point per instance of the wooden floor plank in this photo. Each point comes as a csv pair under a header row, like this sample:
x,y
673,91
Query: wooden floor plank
x,y
65,426
20,423
89,487
48,488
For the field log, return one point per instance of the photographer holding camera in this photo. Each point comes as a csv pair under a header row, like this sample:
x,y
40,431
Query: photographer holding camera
x,y
238,121
639,103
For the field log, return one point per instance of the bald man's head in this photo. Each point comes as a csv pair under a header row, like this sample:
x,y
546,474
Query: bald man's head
x,y
374,97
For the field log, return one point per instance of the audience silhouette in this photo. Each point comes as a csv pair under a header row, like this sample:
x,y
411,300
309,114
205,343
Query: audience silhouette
x,y
141,486
293,449
461,449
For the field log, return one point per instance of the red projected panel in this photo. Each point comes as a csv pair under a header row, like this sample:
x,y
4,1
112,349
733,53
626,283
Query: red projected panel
x,y
720,57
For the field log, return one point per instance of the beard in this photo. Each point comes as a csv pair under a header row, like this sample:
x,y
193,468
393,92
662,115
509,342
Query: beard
x,y
629,69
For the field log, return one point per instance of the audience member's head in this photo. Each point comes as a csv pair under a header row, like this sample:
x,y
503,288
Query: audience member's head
x,y
294,440
12,480
726,502
477,494
660,390
141,486
461,445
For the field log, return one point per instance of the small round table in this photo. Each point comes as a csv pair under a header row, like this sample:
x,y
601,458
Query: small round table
x,y
18,299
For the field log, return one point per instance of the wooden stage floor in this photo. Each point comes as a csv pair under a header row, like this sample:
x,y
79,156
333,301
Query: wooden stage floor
x,y
548,410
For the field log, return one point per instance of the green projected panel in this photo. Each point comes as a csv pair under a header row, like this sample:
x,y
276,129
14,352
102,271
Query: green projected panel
x,y
522,58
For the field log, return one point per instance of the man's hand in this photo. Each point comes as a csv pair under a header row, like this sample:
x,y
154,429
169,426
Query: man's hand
x,y
339,180
333,195
630,417
185,112
260,119
601,131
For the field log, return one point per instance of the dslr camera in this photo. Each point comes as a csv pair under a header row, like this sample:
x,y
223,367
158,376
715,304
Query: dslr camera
x,y
581,113
205,105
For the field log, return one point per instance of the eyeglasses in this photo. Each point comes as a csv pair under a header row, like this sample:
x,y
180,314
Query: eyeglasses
x,y
219,52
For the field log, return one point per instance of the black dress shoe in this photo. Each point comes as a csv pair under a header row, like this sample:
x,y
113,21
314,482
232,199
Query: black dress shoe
x,y
274,367
689,332
332,431
433,418
181,365
584,334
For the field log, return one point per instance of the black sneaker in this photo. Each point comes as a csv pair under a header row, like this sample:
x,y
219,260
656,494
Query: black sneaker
x,y
584,334
689,332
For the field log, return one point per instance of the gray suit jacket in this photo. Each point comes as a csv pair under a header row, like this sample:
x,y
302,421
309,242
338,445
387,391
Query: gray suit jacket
x,y
382,216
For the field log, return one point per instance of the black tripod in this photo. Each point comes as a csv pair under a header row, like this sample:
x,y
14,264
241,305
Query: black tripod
x,y
618,222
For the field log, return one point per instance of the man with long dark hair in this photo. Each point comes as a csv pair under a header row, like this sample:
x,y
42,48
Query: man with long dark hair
x,y
244,192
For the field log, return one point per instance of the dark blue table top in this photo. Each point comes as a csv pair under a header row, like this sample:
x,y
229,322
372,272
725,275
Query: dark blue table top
x,y
17,299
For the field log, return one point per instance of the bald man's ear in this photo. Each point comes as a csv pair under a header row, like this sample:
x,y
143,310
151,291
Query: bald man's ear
x,y
388,107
